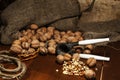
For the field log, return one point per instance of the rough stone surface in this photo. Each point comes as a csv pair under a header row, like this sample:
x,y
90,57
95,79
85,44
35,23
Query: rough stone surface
x,y
103,10
66,24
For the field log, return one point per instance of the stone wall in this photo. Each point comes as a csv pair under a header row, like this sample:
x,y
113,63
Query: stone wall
x,y
103,10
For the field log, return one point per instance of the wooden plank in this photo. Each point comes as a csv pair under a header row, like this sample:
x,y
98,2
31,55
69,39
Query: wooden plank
x,y
112,68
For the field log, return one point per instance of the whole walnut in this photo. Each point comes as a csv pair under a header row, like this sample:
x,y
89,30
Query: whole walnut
x,y
51,50
35,43
60,58
67,56
16,48
17,42
43,50
34,26
31,50
76,56
25,45
91,62
89,74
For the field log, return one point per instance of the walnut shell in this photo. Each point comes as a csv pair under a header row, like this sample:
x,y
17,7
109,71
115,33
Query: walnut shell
x,y
38,30
67,56
43,38
43,29
24,39
76,56
47,35
89,74
62,33
50,29
91,62
31,50
35,43
89,46
51,43
65,36
43,50
60,58
25,45
34,26
70,38
16,48
78,33
42,44
56,36
51,50
74,40
29,35
24,51
63,40
17,42
87,51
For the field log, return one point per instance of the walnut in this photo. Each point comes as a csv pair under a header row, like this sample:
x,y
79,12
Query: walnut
x,y
76,56
42,44
67,56
24,51
50,29
34,26
91,62
31,50
78,49
29,35
51,43
87,51
44,29
63,40
62,33
60,58
35,43
78,33
56,32
43,38
17,42
16,48
56,36
89,74
24,39
65,36
38,30
70,33
43,50
51,50
48,35
70,38
89,46
25,45
74,40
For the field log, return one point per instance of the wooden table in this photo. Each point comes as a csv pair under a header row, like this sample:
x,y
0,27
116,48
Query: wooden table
x,y
44,67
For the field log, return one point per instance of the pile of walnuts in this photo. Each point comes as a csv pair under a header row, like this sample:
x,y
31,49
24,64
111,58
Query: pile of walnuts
x,y
42,40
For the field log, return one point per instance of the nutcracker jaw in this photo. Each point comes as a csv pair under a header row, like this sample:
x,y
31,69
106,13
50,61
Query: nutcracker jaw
x,y
67,47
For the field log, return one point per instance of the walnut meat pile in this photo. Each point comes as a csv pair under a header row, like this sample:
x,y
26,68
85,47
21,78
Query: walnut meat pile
x,y
41,40
74,67
79,68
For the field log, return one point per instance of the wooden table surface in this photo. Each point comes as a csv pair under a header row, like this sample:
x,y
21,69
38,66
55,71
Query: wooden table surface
x,y
44,67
